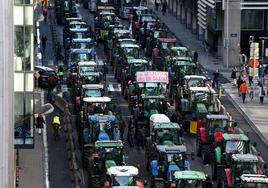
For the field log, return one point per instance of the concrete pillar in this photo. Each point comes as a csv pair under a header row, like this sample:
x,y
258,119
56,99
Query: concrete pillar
x,y
232,33
188,18
183,14
7,170
201,33
178,9
220,46
194,24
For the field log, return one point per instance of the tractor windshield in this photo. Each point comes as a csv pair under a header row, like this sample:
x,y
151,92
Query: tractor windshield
x,y
134,52
111,154
233,147
256,185
124,181
200,97
189,184
92,93
168,136
196,82
84,69
83,45
245,168
137,67
92,80
79,35
218,124
81,57
186,69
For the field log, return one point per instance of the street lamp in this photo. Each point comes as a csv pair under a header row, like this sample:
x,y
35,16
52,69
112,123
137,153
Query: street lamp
x,y
262,57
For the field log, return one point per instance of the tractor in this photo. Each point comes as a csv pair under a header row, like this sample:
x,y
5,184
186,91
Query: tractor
x,y
190,179
165,133
212,126
191,81
102,22
121,176
167,159
79,55
104,155
224,146
129,75
254,180
242,164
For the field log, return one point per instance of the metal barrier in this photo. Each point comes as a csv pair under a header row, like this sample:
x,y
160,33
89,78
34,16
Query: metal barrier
x,y
70,146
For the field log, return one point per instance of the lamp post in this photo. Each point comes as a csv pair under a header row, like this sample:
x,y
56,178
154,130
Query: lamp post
x,y
262,57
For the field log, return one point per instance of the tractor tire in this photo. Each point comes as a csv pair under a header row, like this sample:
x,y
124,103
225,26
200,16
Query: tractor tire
x,y
95,182
159,184
198,146
206,155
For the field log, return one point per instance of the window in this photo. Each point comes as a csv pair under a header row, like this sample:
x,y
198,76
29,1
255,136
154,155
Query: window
x,y
18,15
19,82
252,20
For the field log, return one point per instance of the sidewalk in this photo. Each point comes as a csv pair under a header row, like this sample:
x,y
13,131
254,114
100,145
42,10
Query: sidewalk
x,y
254,112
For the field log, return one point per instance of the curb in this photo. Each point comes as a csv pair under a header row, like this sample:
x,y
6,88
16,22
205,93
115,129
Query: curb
x,y
247,118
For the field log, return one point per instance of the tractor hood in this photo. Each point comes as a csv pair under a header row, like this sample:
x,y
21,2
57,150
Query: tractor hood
x,y
191,175
171,149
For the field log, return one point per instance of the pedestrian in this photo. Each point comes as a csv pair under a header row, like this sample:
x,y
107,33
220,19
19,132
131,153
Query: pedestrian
x,y
56,125
164,7
140,137
61,73
261,93
233,75
40,123
216,75
131,133
238,83
244,90
45,13
195,57
44,41
156,3
251,93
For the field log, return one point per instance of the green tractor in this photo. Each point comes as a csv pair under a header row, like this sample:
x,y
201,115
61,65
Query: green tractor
x,y
190,179
165,133
242,164
213,125
254,180
106,154
191,81
125,52
129,75
102,22
225,145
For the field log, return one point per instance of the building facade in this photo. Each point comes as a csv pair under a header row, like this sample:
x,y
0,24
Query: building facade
x,y
224,25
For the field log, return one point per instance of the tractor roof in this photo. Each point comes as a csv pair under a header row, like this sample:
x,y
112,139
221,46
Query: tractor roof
x,y
74,19
167,125
77,22
87,63
121,31
129,45
92,86
101,118
137,61
171,149
78,30
159,118
254,178
216,116
105,8
176,48
189,175
97,99
131,41
181,59
235,137
81,51
201,89
245,157
105,12
123,171
141,8
109,144
167,40
188,77
81,40
143,96
85,74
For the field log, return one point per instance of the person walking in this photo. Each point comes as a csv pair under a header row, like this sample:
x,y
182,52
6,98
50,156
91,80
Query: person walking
x,y
164,7
45,13
56,125
261,93
156,3
61,73
216,75
244,90
238,83
233,75
195,57
40,123
44,41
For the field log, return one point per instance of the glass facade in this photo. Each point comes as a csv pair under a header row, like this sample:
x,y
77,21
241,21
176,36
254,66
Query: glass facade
x,y
24,73
252,20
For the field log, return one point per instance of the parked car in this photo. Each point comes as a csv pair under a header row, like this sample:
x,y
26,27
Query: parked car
x,y
44,74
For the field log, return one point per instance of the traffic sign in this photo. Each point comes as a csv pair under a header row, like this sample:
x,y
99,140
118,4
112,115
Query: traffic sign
x,y
254,50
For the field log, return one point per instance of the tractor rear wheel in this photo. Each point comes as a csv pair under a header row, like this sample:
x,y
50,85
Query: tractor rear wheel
x,y
95,182
159,184
206,155
198,146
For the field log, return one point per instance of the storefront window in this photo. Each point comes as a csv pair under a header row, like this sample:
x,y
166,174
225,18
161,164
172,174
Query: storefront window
x,y
28,48
19,82
252,20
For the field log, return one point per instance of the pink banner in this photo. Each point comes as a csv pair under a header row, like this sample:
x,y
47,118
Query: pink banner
x,y
152,76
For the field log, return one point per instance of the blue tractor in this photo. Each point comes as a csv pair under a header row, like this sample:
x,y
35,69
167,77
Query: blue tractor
x,y
167,160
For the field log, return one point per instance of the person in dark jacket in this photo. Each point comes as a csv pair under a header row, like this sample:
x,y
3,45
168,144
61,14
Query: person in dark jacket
x,y
164,7
40,123
238,83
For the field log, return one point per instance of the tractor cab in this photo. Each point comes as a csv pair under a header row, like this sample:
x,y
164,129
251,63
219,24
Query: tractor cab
x,y
147,21
80,55
82,43
254,181
192,81
102,22
165,44
87,66
113,28
190,179
241,164
77,25
166,133
179,51
72,19
153,105
138,11
166,160
91,78
123,176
